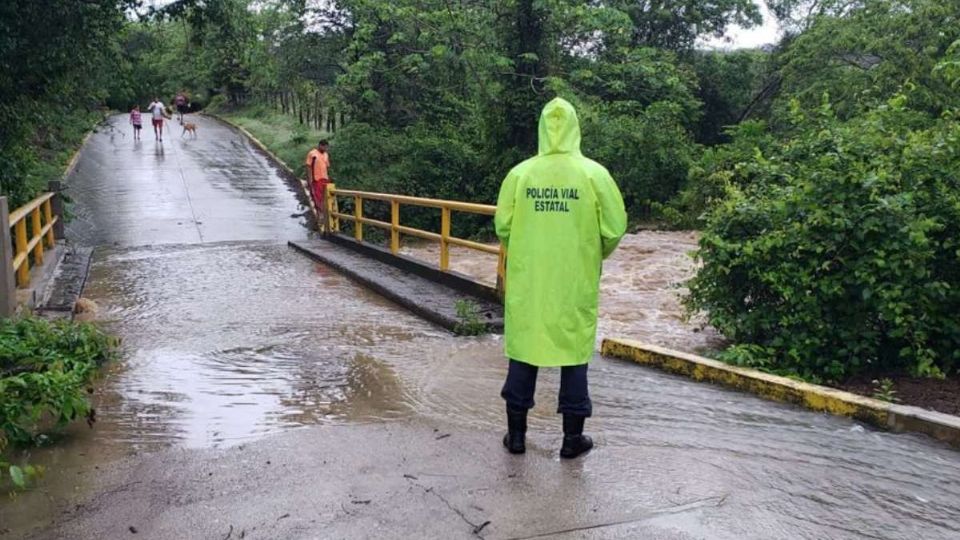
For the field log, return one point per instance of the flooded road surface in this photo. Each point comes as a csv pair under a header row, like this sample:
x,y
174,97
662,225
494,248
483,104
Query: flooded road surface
x,y
267,340
263,392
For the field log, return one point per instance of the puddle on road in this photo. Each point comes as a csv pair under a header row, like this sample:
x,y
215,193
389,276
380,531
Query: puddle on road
x,y
267,341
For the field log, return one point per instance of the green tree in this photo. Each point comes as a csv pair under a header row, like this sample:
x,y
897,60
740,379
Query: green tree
x,y
729,85
49,80
676,24
867,52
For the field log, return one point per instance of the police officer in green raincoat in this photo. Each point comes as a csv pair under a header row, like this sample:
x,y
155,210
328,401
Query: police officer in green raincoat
x,y
559,214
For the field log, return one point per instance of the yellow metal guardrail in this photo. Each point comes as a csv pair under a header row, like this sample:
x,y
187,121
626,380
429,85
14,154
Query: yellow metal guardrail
x,y
333,217
39,214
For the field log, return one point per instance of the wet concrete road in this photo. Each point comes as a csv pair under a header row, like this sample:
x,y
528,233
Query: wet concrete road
x,y
209,189
229,346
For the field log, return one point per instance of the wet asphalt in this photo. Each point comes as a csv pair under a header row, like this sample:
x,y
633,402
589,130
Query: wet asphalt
x,y
261,395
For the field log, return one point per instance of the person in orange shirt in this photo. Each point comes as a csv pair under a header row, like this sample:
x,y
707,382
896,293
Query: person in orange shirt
x,y
318,165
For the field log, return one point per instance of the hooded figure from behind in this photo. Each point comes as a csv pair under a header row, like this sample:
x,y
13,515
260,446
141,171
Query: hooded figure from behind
x,y
559,214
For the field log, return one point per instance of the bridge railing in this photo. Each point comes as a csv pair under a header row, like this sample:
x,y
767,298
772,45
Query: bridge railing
x,y
27,232
444,237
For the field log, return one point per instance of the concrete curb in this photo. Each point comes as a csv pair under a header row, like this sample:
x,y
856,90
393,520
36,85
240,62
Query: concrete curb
x,y
899,418
67,286
273,157
72,164
450,278
412,299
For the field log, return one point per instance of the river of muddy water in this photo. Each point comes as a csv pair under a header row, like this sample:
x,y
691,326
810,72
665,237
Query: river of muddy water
x,y
640,289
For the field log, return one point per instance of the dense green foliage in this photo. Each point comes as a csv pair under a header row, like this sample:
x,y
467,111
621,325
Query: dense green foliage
x,y
53,75
863,57
844,255
830,241
45,370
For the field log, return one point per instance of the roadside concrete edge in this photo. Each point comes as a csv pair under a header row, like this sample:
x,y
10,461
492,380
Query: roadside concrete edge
x,y
75,158
67,285
878,413
440,319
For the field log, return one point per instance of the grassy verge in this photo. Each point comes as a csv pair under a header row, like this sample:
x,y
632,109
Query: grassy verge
x,y
45,372
281,133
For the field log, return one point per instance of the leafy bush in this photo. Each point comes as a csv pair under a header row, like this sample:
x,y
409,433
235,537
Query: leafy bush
x,y
300,135
843,255
715,172
45,368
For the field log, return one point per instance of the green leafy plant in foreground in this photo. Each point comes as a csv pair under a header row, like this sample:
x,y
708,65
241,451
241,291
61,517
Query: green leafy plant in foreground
x,y
45,371
884,391
468,319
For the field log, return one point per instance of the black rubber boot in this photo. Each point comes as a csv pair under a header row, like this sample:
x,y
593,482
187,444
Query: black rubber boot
x,y
575,443
516,431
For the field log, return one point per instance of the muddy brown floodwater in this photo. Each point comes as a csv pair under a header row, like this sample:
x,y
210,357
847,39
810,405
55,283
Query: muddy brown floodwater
x,y
239,352
640,289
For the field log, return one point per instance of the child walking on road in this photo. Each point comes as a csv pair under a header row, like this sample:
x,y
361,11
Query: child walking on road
x,y
136,122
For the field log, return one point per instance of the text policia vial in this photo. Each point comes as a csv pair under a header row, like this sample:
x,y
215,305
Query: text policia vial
x,y
552,199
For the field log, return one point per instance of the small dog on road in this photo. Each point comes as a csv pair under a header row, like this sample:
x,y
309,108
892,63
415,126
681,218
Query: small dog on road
x,y
191,127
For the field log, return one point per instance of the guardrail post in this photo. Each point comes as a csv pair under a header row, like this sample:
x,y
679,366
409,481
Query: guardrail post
x,y
444,239
8,287
394,227
333,222
358,213
35,227
56,204
48,238
20,241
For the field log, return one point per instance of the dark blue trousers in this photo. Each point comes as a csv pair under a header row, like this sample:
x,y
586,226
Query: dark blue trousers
x,y
521,382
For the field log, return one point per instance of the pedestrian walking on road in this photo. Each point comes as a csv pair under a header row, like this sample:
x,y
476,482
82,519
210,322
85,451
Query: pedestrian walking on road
x,y
181,102
158,109
136,122
318,167
559,215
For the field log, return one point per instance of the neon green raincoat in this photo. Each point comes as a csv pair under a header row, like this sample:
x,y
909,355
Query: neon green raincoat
x,y
559,215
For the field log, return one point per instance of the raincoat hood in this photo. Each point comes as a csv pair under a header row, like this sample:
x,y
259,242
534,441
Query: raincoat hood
x,y
559,131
